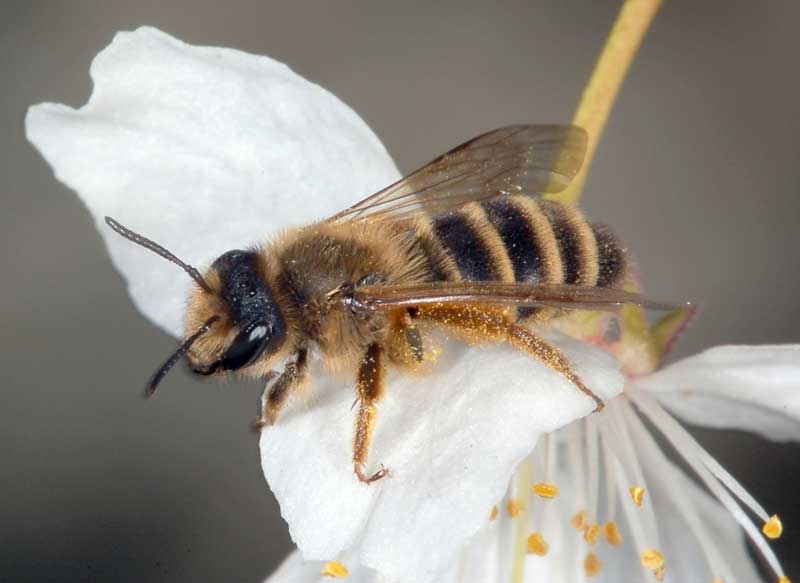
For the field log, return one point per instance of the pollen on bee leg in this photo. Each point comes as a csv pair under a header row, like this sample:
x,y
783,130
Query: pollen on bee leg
x,y
514,507
578,521
335,570
537,545
612,534
592,565
637,495
773,528
493,513
592,534
545,490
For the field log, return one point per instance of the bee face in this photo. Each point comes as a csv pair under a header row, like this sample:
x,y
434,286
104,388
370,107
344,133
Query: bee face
x,y
249,325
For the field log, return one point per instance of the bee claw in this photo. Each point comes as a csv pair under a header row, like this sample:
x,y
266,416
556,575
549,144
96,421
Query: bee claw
x,y
258,424
383,472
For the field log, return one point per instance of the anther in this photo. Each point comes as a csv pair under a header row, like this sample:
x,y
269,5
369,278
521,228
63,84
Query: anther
x,y
773,528
514,508
592,565
652,560
537,545
544,490
637,494
493,514
578,521
612,534
335,570
592,534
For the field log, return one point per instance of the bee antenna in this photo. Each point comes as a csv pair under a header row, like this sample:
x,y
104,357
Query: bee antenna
x,y
159,250
176,356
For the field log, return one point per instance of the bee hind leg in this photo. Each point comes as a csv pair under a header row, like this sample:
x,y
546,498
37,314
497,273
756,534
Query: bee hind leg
x,y
276,396
370,385
478,323
526,341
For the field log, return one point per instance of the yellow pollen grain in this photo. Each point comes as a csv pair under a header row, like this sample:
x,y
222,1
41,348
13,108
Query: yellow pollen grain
x,y
637,494
592,534
592,565
544,490
773,528
493,514
537,545
784,579
514,508
335,570
652,560
578,521
612,534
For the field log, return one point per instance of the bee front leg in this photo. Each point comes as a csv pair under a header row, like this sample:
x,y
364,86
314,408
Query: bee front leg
x,y
275,397
370,385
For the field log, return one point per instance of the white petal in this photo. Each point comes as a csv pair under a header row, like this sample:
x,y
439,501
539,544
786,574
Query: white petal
x,y
755,388
452,441
203,150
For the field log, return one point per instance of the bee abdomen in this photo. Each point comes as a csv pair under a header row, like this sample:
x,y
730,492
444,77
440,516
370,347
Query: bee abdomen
x,y
522,239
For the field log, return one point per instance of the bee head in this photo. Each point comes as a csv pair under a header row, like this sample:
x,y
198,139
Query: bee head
x,y
233,322
249,328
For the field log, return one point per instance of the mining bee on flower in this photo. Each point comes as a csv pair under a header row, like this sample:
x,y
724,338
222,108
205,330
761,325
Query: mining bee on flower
x,y
464,244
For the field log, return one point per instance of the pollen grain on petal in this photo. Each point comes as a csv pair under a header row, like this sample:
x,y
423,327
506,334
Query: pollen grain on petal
x,y
637,494
578,521
592,534
537,545
514,508
773,528
335,570
493,513
612,534
592,565
545,490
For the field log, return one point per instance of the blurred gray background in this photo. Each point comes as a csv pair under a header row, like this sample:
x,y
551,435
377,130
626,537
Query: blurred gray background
x,y
698,171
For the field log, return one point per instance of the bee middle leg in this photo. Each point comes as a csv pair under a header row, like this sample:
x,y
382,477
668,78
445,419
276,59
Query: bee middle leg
x,y
370,385
276,396
486,324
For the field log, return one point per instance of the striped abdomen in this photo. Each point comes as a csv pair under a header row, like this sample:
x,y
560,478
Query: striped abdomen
x,y
519,238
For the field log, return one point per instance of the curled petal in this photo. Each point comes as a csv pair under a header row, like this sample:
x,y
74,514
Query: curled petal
x,y
451,439
204,150
754,388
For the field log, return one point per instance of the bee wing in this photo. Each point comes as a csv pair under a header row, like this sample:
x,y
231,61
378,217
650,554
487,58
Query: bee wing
x,y
563,296
519,159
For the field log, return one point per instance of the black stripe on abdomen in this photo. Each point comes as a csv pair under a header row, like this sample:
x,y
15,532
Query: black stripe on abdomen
x,y
465,246
518,239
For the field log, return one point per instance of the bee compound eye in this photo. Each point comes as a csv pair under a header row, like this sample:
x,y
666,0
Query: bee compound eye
x,y
248,345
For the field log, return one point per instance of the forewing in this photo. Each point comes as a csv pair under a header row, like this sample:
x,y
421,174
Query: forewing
x,y
569,297
519,159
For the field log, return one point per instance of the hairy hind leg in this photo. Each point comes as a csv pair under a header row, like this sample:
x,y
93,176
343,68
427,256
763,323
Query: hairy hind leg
x,y
479,323
370,385
526,341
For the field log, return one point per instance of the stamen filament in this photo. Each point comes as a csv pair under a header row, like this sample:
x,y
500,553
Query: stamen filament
x,y
691,452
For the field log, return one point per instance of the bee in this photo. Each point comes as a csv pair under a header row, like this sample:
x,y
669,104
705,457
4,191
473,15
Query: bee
x,y
465,244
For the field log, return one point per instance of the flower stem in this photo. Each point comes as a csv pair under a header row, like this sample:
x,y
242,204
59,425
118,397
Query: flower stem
x,y
609,72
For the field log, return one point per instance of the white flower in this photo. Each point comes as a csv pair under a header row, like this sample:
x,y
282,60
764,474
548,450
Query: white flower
x,y
686,533
206,150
